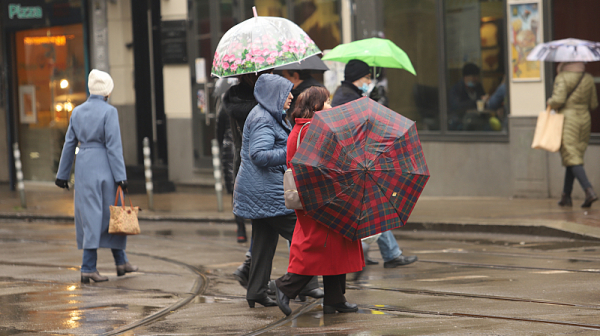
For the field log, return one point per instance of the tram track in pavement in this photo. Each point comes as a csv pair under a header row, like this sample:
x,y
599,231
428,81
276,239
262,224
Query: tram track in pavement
x,y
392,310
201,285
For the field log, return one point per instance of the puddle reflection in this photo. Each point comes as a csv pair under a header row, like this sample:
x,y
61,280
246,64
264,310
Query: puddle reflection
x,y
63,309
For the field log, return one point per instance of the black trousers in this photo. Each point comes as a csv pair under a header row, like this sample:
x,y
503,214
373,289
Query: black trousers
x,y
334,286
572,173
265,235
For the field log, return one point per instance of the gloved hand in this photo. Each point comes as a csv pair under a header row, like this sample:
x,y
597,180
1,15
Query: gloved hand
x,y
123,185
62,183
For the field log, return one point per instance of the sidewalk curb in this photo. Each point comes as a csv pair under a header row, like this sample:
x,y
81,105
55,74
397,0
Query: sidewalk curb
x,y
544,230
67,218
535,228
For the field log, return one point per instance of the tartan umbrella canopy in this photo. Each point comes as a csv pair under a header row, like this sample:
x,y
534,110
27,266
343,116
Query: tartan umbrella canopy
x,y
360,169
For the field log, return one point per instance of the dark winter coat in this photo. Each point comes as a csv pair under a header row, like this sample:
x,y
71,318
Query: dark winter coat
x,y
238,102
258,191
346,93
459,99
309,82
226,147
94,126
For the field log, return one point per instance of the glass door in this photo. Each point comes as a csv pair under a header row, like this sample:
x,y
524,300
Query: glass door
x,y
212,19
50,77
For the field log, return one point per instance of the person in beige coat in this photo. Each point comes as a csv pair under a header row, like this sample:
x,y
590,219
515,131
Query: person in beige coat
x,y
574,95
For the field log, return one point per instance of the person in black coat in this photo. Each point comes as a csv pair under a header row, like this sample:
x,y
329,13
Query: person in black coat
x,y
238,101
463,96
226,151
302,80
357,77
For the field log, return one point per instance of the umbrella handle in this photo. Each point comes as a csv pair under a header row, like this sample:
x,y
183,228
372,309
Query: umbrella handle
x,y
254,11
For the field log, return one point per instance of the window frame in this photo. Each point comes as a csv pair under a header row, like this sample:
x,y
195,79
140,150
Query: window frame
x,y
444,135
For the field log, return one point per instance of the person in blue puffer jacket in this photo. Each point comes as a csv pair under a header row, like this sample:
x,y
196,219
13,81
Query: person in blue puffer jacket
x,y
258,190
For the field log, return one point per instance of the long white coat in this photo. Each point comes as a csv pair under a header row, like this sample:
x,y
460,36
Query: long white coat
x,y
99,165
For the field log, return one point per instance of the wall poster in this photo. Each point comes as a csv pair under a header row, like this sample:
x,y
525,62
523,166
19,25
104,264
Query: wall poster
x,y
27,104
525,31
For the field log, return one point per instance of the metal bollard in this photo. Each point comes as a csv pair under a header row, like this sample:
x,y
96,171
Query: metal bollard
x,y
18,167
148,173
217,174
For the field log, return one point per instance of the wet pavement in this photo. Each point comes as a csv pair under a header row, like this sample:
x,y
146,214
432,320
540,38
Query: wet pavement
x,y
465,283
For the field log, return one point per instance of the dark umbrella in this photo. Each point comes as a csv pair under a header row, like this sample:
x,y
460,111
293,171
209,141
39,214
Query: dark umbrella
x,y
312,63
360,169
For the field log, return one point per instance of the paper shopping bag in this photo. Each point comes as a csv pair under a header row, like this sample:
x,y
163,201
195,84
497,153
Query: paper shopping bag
x,y
548,131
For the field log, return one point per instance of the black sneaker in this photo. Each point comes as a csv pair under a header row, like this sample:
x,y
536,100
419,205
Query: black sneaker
x,y
400,261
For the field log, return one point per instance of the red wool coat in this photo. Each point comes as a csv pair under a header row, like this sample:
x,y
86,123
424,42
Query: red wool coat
x,y
316,249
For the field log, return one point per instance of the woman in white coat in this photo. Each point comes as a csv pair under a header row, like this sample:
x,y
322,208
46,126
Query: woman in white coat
x,y
99,168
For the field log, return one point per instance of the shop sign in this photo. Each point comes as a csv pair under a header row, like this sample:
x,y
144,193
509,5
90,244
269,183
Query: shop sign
x,y
174,42
23,13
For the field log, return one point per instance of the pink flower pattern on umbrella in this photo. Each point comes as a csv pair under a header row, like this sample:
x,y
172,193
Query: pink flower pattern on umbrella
x,y
259,46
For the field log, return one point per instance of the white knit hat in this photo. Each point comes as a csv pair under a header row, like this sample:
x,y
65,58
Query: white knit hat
x,y
100,83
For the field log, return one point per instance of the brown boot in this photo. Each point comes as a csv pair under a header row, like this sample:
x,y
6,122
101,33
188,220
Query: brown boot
x,y
85,277
565,200
126,268
590,197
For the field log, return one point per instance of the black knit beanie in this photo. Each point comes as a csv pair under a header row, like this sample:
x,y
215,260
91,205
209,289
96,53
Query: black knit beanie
x,y
470,69
356,69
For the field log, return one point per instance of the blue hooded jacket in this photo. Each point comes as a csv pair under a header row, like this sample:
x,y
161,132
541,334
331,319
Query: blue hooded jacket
x,y
258,191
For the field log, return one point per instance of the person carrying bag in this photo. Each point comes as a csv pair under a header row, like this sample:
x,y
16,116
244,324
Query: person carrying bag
x,y
123,220
290,192
549,127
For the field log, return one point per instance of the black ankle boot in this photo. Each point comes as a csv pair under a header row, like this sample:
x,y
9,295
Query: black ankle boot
x,y
266,302
565,200
590,197
242,273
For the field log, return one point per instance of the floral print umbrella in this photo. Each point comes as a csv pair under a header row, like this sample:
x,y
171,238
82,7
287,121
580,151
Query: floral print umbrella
x,y
261,43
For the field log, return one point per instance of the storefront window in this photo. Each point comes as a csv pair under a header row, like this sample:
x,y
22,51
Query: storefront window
x,y
320,19
412,26
475,71
50,72
571,20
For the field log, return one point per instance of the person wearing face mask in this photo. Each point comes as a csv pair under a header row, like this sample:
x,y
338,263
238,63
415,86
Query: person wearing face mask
x,y
464,96
356,84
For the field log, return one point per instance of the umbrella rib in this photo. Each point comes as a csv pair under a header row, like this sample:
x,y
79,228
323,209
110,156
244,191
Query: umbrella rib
x,y
360,217
389,201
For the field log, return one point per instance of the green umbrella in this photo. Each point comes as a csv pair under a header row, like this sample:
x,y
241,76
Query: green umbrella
x,y
376,52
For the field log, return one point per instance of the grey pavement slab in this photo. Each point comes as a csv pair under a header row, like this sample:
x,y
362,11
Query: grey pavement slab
x,y
483,214
463,284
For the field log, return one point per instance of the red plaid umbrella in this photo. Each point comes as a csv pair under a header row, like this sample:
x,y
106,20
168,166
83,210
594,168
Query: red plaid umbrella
x,y
360,169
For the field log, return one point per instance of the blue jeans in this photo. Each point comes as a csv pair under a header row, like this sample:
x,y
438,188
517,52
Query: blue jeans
x,y
388,246
91,255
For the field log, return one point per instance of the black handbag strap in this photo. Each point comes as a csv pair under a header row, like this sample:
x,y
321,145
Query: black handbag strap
x,y
300,133
576,86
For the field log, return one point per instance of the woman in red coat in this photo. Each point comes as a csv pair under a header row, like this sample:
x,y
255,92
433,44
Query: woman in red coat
x,y
316,249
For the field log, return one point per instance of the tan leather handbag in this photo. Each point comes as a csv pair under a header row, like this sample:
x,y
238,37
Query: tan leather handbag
x,y
290,192
123,220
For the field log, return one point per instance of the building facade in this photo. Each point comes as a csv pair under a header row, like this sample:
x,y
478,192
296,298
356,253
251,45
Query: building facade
x,y
159,53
